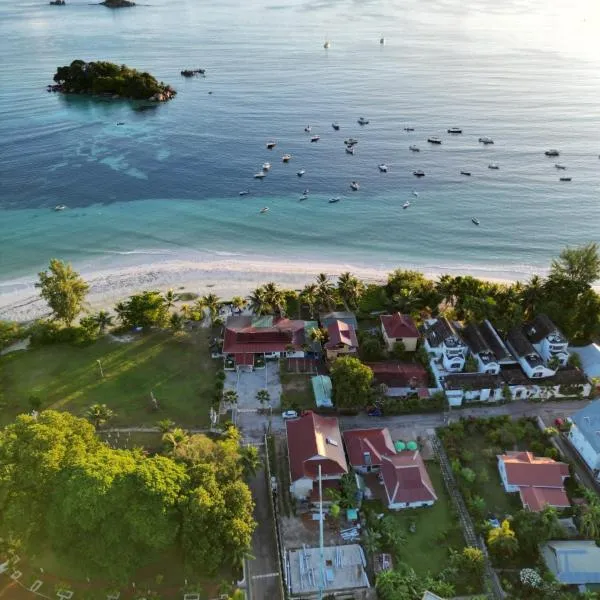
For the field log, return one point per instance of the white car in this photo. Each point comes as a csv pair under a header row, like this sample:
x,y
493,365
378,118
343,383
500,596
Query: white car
x,y
289,414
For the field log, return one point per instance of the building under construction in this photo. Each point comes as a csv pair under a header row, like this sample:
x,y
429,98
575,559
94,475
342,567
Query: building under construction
x,y
312,574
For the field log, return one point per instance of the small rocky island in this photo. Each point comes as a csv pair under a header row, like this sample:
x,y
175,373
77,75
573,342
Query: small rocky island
x,y
193,72
118,3
109,80
57,2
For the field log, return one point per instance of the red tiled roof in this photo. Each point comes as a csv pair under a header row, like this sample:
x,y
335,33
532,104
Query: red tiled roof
x,y
525,469
377,442
341,333
536,498
244,359
242,337
399,374
399,326
314,440
406,479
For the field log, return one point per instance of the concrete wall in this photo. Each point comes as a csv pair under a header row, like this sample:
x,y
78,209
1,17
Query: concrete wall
x,y
402,505
410,344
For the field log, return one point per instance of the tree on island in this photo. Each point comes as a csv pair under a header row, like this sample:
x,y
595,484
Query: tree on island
x,y
103,77
64,290
351,381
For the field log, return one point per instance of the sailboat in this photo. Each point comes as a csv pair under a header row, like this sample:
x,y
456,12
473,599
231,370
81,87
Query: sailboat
x,y
327,44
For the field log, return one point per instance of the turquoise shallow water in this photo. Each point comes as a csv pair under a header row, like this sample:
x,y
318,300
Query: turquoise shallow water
x,y
166,183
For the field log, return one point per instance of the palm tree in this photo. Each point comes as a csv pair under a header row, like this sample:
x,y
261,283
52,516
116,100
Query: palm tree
x,y
102,320
590,521
275,297
446,288
186,311
309,297
170,297
121,309
174,439
371,541
176,322
99,414
532,296
165,425
230,396
258,302
325,292
211,302
350,290
263,396
238,303
406,301
250,459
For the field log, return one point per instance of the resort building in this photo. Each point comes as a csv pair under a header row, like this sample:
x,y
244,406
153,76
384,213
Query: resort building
x,y
573,562
472,387
399,328
406,481
444,342
248,337
367,447
345,316
401,378
480,350
527,356
539,480
342,340
314,441
547,339
585,435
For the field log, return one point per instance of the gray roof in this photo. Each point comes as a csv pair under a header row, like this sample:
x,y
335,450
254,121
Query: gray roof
x,y
472,381
541,327
438,332
474,339
573,562
494,341
588,422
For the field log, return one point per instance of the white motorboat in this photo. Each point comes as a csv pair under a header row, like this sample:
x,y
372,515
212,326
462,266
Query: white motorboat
x,y
363,121
475,221
303,198
466,173
300,172
308,129
286,158
493,166
415,193
419,173
383,168
60,207
260,175
244,192
565,179
350,149
271,145
409,129
558,166
351,142
433,139
414,148
486,140
552,153
335,126
327,44
266,166
264,209
305,192
334,200
315,138
406,204
455,130
355,186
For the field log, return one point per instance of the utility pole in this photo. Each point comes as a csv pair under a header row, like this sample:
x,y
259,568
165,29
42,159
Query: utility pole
x,y
100,367
321,550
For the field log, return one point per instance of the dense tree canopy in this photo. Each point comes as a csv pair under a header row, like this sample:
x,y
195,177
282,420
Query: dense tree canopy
x,y
143,310
351,381
63,289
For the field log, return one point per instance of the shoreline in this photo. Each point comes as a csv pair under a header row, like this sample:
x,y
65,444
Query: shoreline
x,y
20,301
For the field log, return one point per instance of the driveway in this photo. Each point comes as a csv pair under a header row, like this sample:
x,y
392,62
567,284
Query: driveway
x,y
263,571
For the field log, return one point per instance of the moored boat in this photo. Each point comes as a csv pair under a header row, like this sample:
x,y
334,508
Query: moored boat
x,y
467,173
300,172
315,138
60,207
552,152
406,204
260,175
350,149
264,209
419,173
559,166
335,126
266,166
475,221
454,130
334,200
355,185
271,145
493,166
433,139
286,158
486,140
383,168
565,179
363,121
244,192
414,148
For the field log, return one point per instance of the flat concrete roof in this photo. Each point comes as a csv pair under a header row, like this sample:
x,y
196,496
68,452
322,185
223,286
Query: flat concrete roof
x,y
344,569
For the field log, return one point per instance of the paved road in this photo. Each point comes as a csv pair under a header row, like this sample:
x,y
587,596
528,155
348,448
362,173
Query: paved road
x,y
263,571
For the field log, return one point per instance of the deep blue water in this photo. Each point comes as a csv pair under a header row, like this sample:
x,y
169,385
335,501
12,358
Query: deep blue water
x,y
525,72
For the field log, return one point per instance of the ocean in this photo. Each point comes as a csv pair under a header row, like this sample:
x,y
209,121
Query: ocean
x,y
164,186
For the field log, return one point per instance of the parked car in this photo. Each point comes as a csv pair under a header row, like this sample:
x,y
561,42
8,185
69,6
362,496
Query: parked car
x,y
289,414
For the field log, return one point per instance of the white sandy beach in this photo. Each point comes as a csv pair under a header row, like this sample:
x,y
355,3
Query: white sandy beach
x,y
19,299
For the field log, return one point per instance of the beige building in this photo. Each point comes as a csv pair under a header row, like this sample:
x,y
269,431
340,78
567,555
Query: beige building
x,y
399,328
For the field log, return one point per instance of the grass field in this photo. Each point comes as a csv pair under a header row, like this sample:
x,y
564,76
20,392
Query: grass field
x,y
177,370
424,550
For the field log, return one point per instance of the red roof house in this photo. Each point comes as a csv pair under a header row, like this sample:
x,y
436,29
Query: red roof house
x,y
406,481
396,374
342,339
245,335
367,447
399,328
538,479
314,441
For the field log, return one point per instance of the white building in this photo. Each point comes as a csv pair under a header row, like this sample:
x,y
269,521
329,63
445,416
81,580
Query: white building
x,y
548,340
480,350
527,356
443,341
585,435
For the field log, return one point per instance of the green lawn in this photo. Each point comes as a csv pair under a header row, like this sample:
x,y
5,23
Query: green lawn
x,y
425,550
178,370
297,393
